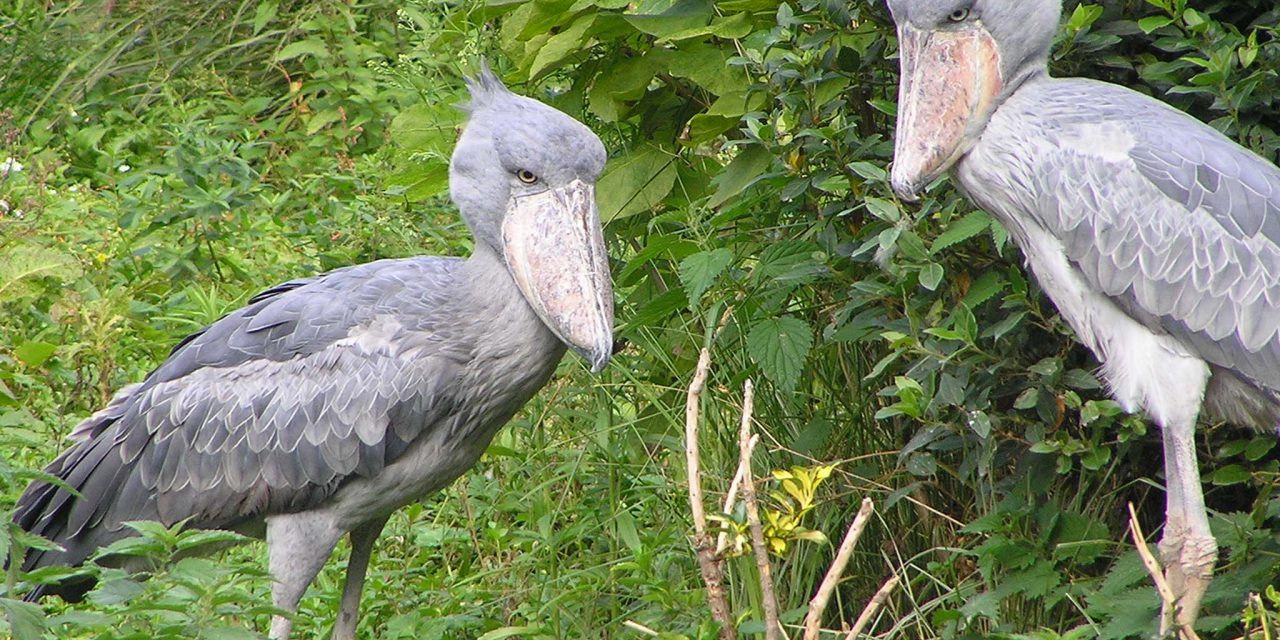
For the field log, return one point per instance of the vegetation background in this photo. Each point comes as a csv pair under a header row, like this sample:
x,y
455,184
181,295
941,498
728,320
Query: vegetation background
x,y
164,160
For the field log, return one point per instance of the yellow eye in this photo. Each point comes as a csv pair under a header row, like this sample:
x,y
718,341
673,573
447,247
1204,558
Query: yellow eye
x,y
526,176
959,15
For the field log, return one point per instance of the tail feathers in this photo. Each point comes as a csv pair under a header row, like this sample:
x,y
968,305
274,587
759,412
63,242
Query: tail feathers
x,y
75,520
1241,401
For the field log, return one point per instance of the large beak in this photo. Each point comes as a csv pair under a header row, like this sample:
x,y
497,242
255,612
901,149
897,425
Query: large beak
x,y
554,247
950,80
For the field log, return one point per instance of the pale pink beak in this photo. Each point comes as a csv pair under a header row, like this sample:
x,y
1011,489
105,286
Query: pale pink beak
x,y
949,83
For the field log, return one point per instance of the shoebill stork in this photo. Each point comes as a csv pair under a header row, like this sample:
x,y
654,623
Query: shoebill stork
x,y
329,402
1157,238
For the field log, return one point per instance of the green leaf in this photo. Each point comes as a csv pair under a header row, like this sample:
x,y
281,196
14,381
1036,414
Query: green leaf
x,y
508,632
931,276
560,46
314,48
34,353
742,172
1230,474
681,16
961,230
1151,23
708,66
699,270
635,182
779,346
883,209
26,619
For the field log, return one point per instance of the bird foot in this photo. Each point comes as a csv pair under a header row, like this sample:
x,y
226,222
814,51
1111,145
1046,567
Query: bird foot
x,y
1188,562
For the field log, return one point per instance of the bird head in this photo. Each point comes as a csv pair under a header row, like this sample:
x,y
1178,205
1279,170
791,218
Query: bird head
x,y
523,175
959,60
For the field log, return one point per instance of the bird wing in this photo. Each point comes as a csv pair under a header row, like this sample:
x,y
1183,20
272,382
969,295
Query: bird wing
x,y
1174,221
269,408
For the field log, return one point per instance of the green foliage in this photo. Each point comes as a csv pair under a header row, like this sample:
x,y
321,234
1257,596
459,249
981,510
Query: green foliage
x,y
177,157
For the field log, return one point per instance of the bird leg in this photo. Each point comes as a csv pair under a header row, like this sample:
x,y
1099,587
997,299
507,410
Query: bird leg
x,y
298,544
1187,547
362,539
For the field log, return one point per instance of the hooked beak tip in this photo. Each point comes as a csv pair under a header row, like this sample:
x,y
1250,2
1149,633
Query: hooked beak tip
x,y
598,357
907,191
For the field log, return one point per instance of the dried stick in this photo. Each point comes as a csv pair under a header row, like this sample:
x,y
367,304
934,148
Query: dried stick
x,y
636,626
813,621
873,606
731,496
1162,586
708,563
772,628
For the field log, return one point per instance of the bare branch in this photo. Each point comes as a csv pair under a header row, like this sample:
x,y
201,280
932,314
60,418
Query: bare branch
x,y
772,627
873,606
813,621
1157,575
708,562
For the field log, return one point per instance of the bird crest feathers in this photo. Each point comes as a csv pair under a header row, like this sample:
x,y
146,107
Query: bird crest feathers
x,y
485,87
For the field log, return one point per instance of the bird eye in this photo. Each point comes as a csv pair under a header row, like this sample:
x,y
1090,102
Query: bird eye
x,y
526,176
959,15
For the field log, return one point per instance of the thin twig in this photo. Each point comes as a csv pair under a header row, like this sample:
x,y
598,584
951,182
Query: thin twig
x,y
813,622
708,563
1157,575
873,606
772,628
636,626
722,539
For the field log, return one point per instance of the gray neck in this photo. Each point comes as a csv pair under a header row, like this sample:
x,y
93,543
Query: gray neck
x,y
501,312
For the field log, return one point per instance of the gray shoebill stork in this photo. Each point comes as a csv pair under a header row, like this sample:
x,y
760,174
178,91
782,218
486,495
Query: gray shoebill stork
x,y
1157,238
329,402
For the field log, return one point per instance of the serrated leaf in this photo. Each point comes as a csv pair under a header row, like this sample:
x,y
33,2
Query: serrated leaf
x,y
779,346
961,230
26,619
700,270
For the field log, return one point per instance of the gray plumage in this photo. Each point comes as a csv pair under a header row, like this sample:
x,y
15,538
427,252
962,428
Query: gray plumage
x,y
328,402
1156,236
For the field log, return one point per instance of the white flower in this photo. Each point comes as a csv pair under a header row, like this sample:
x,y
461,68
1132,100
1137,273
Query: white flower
x,y
123,168
9,166
4,206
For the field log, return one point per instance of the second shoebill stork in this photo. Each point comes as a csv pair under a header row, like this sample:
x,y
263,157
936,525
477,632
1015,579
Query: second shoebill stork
x,y
329,402
1157,237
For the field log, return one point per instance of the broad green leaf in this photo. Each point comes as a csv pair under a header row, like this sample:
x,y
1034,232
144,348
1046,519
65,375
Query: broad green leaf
x,y
561,45
509,632
708,66
684,15
931,276
21,264
699,270
741,173
429,127
314,48
961,230
635,182
26,619
34,353
779,346
422,178
731,27
883,209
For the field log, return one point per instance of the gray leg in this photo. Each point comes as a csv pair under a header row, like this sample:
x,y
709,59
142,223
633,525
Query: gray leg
x,y
1187,548
298,545
362,539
